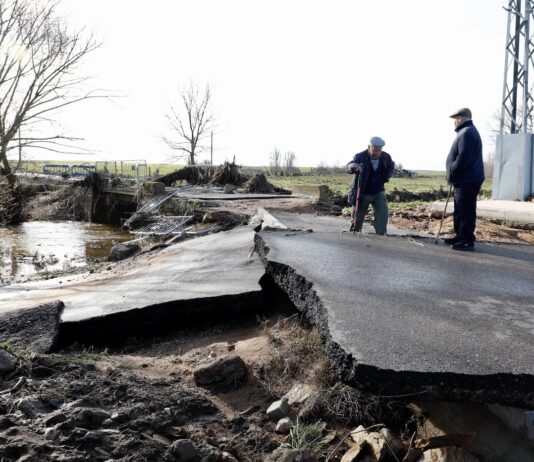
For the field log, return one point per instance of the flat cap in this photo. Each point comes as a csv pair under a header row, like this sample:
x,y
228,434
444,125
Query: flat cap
x,y
377,142
462,112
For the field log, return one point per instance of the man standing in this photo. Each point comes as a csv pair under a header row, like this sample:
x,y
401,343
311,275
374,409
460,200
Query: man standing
x,y
465,171
372,167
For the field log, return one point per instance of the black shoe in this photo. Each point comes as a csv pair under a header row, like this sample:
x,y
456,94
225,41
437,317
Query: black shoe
x,y
463,245
452,240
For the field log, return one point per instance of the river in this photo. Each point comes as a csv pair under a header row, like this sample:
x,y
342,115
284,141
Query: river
x,y
47,246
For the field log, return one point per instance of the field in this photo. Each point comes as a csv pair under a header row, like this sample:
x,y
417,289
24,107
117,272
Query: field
x,y
427,180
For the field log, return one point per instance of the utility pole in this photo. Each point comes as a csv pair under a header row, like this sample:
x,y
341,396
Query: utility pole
x,y
513,170
517,99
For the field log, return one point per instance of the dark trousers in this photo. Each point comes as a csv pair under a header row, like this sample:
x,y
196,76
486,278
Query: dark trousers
x,y
465,210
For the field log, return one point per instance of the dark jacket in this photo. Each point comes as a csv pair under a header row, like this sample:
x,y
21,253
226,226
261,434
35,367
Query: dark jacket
x,y
464,162
363,158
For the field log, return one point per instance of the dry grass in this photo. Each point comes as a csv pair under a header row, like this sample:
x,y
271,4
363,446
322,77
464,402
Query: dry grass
x,y
297,355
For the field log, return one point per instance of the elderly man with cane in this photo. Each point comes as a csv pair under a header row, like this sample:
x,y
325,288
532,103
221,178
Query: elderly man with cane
x,y
465,171
372,168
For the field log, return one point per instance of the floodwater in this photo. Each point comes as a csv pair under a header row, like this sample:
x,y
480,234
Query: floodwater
x,y
46,246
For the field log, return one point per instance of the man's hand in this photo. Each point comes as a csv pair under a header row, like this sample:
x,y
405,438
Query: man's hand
x,y
357,168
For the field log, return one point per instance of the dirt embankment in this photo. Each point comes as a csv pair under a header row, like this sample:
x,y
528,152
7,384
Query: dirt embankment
x,y
142,402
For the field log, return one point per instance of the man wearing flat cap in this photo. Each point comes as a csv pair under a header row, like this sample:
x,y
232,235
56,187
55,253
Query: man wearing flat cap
x,y
465,171
372,167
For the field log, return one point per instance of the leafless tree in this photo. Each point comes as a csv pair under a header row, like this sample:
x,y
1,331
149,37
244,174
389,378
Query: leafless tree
x,y
38,59
191,122
275,162
289,163
506,124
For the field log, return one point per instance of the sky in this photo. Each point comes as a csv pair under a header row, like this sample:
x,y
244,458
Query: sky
x,y
318,78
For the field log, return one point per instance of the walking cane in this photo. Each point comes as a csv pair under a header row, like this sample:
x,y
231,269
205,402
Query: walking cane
x,y
443,214
356,204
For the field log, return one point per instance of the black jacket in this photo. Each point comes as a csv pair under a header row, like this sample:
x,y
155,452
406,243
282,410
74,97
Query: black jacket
x,y
363,158
464,162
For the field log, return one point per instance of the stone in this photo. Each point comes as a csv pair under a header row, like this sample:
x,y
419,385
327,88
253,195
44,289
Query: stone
x,y
54,419
299,393
325,193
352,455
283,426
91,418
447,454
122,251
278,410
224,370
32,407
183,451
154,188
292,455
8,362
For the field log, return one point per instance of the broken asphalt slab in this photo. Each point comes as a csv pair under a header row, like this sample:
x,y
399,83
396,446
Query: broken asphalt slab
x,y
402,315
212,276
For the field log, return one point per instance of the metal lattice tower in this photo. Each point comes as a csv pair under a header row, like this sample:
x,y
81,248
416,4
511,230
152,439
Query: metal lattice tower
x,y
517,101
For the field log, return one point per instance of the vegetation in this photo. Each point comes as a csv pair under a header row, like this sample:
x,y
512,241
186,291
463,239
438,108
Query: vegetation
x,y
40,56
426,180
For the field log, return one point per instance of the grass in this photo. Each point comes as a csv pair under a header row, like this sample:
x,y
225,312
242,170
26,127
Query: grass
x,y
426,180
307,436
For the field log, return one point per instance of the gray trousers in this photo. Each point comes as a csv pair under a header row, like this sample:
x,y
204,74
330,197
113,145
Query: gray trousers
x,y
380,208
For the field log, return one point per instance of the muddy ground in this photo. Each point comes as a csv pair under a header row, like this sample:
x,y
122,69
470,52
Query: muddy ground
x,y
144,401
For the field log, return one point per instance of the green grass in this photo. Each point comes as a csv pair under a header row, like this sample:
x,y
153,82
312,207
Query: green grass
x,y
341,182
426,180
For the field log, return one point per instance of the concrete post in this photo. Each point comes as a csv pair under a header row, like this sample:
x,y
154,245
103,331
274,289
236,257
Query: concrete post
x,y
513,168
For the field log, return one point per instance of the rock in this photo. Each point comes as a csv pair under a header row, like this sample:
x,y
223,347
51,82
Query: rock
x,y
447,454
283,426
376,441
335,210
352,455
6,422
32,407
91,418
54,419
51,434
8,362
225,370
122,251
183,451
298,394
278,410
79,403
154,188
227,457
292,455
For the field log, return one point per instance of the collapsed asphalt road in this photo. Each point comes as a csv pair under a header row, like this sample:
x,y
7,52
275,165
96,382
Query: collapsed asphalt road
x,y
400,315
397,315
212,277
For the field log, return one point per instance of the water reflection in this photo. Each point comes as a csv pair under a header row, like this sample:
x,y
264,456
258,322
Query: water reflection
x,y
38,246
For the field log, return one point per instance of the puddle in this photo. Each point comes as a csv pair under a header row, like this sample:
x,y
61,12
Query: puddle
x,y
40,246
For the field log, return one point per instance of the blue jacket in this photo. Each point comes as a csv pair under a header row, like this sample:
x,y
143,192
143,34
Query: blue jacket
x,y
464,162
363,158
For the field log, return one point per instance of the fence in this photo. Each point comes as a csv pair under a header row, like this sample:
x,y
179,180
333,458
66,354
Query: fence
x,y
124,168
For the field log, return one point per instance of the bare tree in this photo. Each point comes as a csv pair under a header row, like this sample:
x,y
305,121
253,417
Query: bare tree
x,y
191,122
275,162
38,57
289,163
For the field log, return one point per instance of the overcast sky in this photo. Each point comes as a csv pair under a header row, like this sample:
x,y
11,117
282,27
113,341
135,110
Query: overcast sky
x,y
318,78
